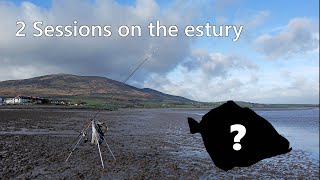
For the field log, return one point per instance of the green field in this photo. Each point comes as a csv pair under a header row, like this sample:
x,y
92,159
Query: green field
x,y
91,102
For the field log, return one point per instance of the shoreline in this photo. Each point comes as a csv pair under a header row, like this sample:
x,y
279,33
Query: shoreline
x,y
62,107
148,143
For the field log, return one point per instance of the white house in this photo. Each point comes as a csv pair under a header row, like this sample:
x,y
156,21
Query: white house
x,y
17,100
9,101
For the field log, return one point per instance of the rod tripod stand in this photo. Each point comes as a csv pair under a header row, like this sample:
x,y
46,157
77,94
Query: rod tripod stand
x,y
83,134
94,125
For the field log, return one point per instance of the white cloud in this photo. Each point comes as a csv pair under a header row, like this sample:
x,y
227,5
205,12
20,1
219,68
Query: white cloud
x,y
216,64
212,76
298,84
112,57
207,76
298,37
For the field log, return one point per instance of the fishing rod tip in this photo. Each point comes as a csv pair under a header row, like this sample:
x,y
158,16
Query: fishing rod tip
x,y
155,50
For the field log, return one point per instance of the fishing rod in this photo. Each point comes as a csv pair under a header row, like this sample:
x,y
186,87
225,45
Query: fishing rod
x,y
124,82
83,132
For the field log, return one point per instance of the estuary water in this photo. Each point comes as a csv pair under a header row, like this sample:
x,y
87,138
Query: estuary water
x,y
300,126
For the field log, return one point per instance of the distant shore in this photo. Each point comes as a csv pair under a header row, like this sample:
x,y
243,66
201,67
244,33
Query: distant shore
x,y
83,107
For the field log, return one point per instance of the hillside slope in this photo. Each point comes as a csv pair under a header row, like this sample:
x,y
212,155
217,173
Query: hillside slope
x,y
84,87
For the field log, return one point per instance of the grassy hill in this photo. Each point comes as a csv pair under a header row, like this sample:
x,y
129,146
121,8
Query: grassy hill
x,y
92,90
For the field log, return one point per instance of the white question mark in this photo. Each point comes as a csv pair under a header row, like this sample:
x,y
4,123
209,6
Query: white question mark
x,y
241,132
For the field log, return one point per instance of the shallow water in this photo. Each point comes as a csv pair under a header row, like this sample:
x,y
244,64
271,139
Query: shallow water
x,y
299,126
25,131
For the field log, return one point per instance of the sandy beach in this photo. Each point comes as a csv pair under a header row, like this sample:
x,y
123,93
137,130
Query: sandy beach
x,y
147,144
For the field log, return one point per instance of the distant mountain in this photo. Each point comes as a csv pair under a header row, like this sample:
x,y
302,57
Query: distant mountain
x,y
94,91
85,88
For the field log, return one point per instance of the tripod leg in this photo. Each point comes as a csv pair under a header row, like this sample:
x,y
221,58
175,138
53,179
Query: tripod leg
x,y
100,153
109,148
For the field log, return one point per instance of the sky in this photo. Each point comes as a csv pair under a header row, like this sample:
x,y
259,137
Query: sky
x,y
275,59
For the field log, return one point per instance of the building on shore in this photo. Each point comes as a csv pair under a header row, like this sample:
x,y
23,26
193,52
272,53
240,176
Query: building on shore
x,y
17,100
31,100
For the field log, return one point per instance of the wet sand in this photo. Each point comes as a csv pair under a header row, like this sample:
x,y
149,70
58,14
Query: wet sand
x,y
148,143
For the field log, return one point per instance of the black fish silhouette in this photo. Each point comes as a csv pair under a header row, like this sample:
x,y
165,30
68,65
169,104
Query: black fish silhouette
x,y
260,141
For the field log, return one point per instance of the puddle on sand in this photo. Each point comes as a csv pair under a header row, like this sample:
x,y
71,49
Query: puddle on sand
x,y
185,151
25,131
